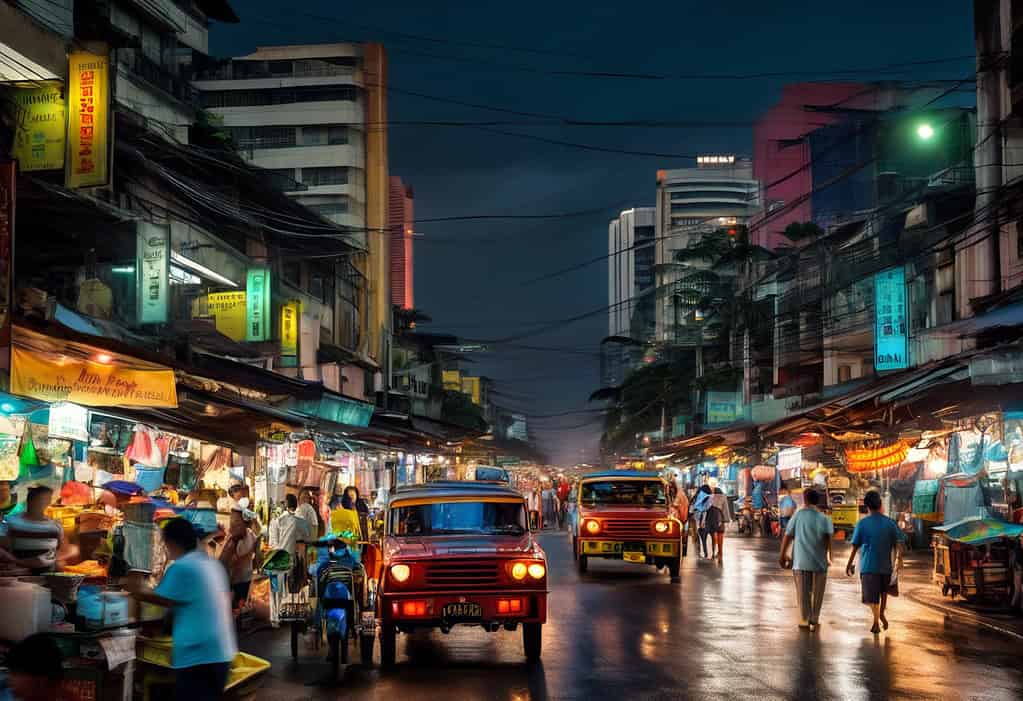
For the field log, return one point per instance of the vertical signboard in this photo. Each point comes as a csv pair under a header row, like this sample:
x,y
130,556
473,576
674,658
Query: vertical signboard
x,y
257,304
40,127
289,333
6,254
88,120
891,340
152,265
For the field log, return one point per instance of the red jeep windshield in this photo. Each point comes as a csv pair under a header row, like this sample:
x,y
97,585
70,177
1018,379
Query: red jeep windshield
x,y
459,518
624,493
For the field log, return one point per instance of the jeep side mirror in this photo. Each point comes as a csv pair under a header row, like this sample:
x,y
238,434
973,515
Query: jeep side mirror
x,y
534,520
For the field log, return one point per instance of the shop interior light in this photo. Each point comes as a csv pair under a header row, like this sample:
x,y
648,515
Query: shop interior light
x,y
6,407
123,270
104,358
201,270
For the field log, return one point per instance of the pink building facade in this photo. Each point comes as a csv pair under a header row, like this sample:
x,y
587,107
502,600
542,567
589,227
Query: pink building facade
x,y
401,225
781,156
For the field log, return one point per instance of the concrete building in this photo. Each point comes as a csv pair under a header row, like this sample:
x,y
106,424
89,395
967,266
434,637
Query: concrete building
x,y
316,115
691,203
630,289
401,227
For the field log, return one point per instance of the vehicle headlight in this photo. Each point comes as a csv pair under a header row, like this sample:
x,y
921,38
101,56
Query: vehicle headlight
x,y
662,526
592,526
537,570
519,570
401,573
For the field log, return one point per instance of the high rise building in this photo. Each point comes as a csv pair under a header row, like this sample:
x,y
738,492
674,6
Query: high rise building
x,y
691,203
630,290
401,226
316,116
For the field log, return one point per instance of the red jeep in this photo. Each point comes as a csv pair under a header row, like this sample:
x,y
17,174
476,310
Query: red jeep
x,y
460,553
624,515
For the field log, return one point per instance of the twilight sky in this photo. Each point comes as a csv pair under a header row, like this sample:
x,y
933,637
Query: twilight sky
x,y
473,277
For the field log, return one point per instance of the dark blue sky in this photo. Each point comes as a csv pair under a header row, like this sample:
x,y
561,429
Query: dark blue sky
x,y
471,276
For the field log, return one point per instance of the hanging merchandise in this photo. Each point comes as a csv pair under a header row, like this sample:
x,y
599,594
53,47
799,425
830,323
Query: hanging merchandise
x,y
9,463
145,448
27,457
875,455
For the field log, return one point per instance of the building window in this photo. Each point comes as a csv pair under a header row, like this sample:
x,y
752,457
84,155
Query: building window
x,y
325,210
331,175
262,137
322,134
284,178
279,96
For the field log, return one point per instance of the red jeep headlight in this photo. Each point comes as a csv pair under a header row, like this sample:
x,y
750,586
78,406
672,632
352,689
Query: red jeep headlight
x,y
664,527
400,573
591,526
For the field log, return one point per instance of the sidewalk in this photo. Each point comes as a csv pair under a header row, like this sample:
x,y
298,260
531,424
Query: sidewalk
x,y
915,583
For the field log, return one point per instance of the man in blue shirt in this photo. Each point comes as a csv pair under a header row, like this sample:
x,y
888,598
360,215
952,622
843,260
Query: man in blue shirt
x,y
877,536
195,586
811,532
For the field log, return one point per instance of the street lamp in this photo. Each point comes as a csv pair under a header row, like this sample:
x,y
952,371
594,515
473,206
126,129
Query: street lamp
x,y
925,132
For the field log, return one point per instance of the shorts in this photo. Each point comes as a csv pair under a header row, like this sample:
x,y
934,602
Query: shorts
x,y
873,584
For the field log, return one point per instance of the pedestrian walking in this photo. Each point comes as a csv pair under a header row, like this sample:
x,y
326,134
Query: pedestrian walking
x,y
285,532
718,515
786,507
680,510
361,508
549,504
700,506
875,538
195,587
810,531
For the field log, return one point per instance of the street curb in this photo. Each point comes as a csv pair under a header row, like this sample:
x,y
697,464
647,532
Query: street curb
x,y
965,613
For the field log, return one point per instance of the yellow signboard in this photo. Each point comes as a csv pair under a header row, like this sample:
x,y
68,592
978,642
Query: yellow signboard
x,y
452,380
87,124
228,312
289,328
40,127
471,386
90,383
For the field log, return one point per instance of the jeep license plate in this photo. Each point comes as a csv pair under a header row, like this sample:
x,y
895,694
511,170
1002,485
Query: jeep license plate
x,y
462,611
632,556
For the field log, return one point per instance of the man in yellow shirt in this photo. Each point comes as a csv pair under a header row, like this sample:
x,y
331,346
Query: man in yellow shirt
x,y
344,521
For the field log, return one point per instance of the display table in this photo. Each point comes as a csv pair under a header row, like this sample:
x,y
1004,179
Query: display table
x,y
98,666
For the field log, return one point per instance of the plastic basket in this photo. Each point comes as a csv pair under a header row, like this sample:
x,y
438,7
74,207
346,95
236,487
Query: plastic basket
x,y
154,651
149,478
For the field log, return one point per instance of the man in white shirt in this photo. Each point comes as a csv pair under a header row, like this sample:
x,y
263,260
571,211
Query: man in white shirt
x,y
307,512
285,532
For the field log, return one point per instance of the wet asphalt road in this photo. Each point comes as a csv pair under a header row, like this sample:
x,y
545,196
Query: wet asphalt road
x,y
727,632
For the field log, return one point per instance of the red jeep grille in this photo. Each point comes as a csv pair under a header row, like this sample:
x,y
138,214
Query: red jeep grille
x,y
461,573
621,528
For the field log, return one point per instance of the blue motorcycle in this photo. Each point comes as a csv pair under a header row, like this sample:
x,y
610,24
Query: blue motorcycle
x,y
344,603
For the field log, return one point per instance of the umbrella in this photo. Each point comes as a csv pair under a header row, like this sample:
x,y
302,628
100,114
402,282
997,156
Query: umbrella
x,y
977,530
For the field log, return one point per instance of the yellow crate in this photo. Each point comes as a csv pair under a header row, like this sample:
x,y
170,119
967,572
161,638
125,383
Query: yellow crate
x,y
154,650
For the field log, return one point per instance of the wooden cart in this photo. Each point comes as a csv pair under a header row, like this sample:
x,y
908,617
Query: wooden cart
x,y
975,573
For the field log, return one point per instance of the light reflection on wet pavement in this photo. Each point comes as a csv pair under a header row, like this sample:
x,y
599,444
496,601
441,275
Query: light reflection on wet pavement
x,y
727,632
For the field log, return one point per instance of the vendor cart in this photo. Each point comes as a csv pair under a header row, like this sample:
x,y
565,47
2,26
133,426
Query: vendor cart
x,y
971,559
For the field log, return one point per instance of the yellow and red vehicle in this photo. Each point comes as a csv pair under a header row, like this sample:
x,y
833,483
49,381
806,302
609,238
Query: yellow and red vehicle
x,y
624,515
460,553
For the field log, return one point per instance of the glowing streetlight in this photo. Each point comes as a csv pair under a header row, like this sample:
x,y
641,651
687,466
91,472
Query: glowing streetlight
x,y
925,131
